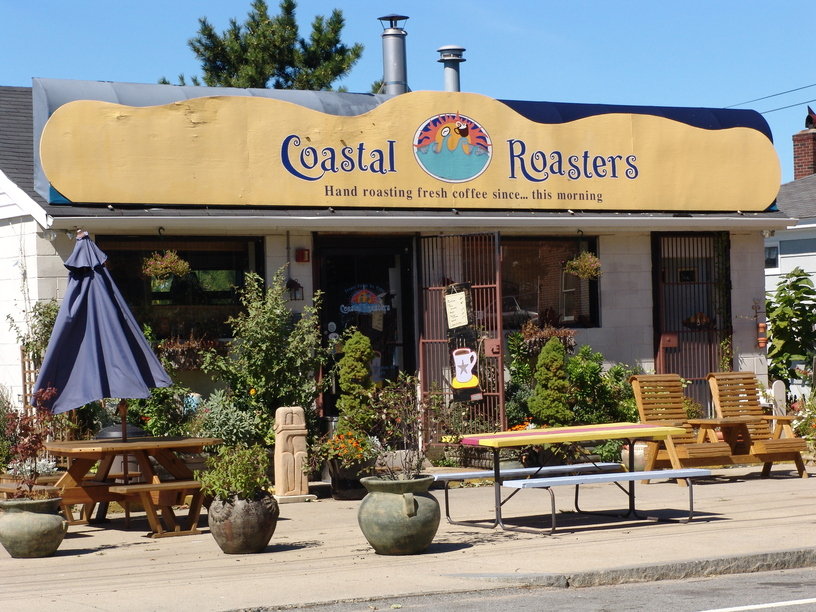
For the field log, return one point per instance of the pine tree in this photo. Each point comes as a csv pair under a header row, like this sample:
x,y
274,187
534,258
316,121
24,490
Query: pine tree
x,y
269,52
550,401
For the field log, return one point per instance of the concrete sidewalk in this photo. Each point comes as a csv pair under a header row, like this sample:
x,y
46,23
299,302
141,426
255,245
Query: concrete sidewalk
x,y
318,554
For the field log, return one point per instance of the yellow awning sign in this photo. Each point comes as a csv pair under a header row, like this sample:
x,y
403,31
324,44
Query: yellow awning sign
x,y
417,150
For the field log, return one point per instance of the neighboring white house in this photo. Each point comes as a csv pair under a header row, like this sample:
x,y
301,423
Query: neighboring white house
x,y
795,246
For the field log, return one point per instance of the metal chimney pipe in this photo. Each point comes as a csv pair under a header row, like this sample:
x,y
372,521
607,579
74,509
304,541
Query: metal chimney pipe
x,y
451,57
395,71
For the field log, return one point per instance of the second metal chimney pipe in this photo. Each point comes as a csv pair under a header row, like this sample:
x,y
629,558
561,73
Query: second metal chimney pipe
x,y
451,57
395,70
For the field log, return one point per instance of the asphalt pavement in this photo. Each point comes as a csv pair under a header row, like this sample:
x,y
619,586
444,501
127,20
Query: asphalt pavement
x,y
742,523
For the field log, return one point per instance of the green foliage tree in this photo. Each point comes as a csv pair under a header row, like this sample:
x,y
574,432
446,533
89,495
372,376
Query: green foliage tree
x,y
599,396
791,311
549,403
273,357
38,325
354,376
269,52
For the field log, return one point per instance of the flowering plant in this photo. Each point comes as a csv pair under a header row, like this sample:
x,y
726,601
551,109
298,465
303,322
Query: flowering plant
x,y
348,448
162,266
585,265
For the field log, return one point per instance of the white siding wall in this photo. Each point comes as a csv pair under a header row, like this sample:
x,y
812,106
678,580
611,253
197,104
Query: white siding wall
x,y
24,249
626,332
748,289
275,249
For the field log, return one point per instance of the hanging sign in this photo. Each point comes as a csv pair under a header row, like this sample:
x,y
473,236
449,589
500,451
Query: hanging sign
x,y
417,150
463,344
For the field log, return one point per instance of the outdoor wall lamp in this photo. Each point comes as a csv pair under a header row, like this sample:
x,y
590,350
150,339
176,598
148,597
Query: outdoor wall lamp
x,y
295,290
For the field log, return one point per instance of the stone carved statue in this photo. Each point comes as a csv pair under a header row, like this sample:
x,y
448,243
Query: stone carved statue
x,y
290,451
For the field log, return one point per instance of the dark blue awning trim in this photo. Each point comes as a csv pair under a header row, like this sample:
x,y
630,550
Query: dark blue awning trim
x,y
706,118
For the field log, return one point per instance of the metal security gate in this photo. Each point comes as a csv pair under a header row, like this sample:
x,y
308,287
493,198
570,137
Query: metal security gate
x,y
692,306
473,259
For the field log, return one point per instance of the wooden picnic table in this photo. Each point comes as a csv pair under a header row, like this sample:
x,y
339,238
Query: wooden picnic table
x,y
79,485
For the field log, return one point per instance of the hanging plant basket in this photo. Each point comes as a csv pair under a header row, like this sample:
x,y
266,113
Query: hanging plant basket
x,y
162,266
585,265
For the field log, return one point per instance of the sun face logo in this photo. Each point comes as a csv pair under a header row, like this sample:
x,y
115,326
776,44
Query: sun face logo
x,y
452,148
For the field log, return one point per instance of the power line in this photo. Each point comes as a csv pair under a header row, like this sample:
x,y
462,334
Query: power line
x,y
784,107
781,93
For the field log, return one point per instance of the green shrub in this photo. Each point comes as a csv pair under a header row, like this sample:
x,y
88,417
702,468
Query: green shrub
x,y
792,317
236,471
39,323
219,417
165,412
354,376
599,396
549,403
272,359
6,408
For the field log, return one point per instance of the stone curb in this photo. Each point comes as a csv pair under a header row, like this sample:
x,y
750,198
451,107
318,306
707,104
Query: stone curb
x,y
762,562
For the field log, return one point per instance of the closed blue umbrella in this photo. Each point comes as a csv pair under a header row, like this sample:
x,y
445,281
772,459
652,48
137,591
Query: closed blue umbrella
x,y
97,349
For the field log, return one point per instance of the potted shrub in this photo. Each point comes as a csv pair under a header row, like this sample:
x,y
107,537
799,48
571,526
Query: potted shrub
x,y
29,524
243,513
399,516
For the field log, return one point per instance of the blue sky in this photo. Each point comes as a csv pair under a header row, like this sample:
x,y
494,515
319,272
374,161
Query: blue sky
x,y
713,53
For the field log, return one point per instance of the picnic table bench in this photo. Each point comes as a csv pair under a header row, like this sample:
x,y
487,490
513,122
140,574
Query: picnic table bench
x,y
504,474
687,474
163,495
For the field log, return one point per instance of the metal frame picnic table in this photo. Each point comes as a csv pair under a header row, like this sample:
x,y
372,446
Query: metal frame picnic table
x,y
629,432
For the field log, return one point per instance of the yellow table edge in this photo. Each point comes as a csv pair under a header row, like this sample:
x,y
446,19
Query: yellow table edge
x,y
578,433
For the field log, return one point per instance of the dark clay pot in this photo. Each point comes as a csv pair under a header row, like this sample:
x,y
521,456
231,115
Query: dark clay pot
x,y
398,517
242,526
31,527
345,481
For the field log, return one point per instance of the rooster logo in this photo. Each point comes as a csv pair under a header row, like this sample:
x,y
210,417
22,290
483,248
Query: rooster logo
x,y
452,147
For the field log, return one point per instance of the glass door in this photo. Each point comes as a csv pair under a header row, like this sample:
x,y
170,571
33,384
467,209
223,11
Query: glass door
x,y
367,283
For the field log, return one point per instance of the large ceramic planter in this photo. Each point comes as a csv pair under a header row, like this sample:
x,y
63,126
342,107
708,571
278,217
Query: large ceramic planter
x,y
31,527
242,526
398,517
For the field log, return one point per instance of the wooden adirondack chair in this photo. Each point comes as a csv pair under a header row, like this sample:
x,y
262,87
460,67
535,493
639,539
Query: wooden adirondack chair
x,y
659,399
736,396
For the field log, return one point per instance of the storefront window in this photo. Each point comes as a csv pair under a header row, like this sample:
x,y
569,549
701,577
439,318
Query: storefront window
x,y
535,286
195,305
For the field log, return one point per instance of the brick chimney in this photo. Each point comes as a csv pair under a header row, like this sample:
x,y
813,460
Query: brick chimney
x,y
804,154
804,148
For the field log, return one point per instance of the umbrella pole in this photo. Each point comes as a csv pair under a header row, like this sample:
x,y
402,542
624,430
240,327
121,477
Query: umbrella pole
x,y
123,407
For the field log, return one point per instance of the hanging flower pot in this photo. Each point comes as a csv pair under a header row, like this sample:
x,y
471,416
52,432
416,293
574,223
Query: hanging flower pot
x,y
162,266
585,265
